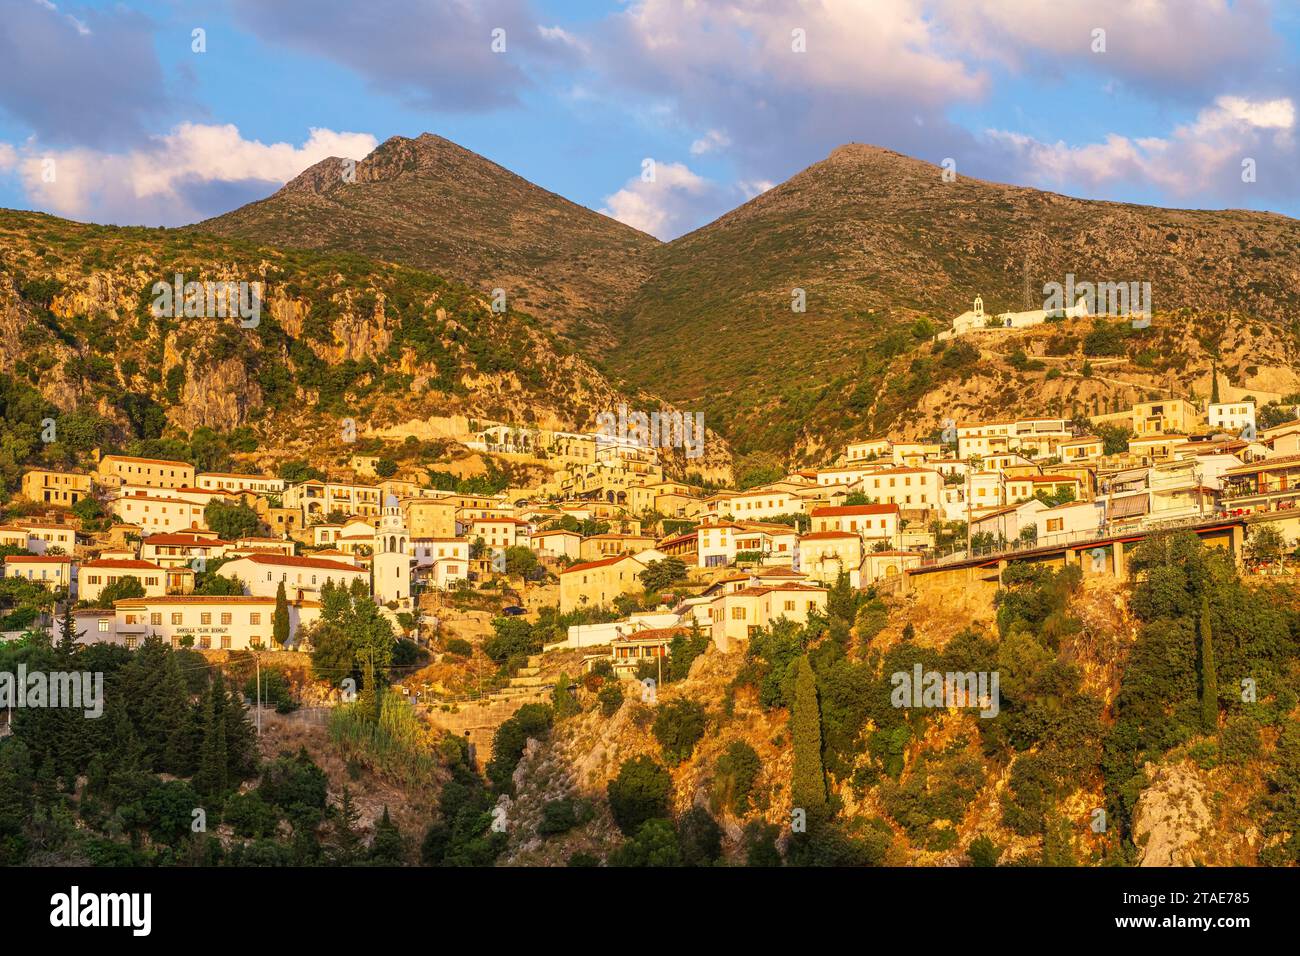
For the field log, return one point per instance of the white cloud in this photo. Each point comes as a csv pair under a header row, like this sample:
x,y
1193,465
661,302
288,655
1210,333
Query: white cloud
x,y
564,37
710,142
78,25
163,181
664,206
1200,157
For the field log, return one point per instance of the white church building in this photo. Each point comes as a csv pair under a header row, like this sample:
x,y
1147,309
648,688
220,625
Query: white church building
x,y
976,320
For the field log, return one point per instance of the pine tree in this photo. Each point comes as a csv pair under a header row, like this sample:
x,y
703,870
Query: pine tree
x,y
808,788
388,848
1209,679
210,780
1057,848
159,707
241,739
346,844
280,619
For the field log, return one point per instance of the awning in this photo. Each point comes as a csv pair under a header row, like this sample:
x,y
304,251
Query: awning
x,y
1128,506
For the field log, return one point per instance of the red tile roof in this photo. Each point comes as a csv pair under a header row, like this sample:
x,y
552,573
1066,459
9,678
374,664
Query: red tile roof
x,y
597,564
178,538
837,510
284,560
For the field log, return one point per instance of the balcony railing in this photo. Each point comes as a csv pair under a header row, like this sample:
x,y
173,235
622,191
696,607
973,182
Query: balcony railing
x,y
1053,541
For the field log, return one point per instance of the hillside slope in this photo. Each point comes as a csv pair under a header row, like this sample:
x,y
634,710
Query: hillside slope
x,y
876,239
338,337
433,205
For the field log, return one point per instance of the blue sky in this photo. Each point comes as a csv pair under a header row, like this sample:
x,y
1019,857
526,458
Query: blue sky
x,y
108,114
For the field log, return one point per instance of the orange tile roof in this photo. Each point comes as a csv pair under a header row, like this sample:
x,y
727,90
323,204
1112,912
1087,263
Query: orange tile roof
x,y
838,510
285,560
597,564
146,461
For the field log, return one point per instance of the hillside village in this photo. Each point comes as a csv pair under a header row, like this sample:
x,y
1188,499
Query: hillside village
x,y
536,617
884,510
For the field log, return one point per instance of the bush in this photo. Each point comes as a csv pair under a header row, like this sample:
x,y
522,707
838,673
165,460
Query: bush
x,y
655,844
558,816
699,837
678,728
760,844
294,782
639,793
513,637
611,699
737,770
405,652
458,646
251,816
1239,740
984,852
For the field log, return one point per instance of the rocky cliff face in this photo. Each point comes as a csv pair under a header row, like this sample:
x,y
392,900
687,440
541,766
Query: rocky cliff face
x,y
333,338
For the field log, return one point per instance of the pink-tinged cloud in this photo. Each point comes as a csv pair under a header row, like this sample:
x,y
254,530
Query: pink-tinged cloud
x,y
1200,159
185,175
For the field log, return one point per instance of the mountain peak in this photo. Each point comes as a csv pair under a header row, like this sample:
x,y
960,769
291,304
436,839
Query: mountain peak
x,y
432,204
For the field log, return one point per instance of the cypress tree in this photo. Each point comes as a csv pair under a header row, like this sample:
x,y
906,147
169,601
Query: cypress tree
x,y
1209,679
808,787
211,778
1214,384
280,620
69,634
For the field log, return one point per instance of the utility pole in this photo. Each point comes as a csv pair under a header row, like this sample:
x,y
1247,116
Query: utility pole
x,y
257,695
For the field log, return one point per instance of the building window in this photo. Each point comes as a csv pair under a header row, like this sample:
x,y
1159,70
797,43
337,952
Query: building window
x,y
176,617
225,617
155,618
205,617
225,642
103,625
255,618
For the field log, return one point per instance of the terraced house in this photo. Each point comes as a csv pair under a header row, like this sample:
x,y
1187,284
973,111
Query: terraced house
x,y
1272,484
94,576
114,471
64,488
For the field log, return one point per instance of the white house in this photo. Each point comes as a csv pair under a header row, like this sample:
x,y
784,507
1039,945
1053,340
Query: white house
x,y
1232,417
302,577
1071,518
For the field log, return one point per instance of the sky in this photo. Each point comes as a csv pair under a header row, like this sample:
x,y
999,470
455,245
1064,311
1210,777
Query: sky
x,y
165,112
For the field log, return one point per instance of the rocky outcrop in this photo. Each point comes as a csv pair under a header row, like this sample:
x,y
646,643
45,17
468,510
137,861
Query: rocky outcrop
x,y
1171,815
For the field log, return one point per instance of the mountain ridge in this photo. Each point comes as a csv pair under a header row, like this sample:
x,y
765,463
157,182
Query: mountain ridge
x,y
876,240
431,204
